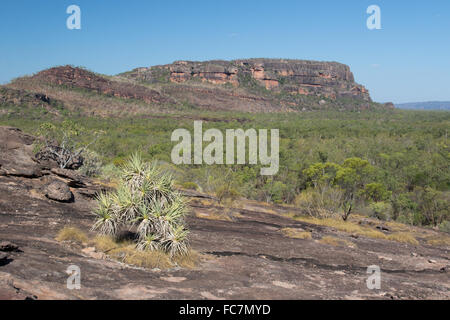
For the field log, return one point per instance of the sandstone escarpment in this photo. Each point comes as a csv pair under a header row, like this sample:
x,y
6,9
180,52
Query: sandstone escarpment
x,y
248,85
296,77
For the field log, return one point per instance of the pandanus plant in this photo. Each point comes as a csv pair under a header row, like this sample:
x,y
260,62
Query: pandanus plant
x,y
145,198
106,222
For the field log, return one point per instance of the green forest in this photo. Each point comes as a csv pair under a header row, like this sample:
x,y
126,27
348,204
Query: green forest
x,y
388,164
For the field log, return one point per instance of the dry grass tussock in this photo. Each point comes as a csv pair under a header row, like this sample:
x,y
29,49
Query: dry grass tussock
x,y
72,234
296,233
345,226
214,214
126,252
439,241
353,227
333,241
404,237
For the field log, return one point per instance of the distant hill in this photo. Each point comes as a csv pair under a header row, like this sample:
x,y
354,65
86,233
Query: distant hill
x,y
430,105
252,85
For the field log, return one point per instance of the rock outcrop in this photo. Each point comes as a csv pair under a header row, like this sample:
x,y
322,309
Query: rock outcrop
x,y
48,155
16,154
329,79
17,160
58,191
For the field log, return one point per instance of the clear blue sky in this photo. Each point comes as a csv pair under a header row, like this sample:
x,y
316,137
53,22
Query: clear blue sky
x,y
408,60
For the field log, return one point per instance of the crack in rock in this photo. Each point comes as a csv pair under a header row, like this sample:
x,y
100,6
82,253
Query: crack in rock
x,y
310,262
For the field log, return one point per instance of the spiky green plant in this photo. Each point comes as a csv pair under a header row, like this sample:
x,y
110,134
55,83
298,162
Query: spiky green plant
x,y
150,242
146,222
146,197
176,243
106,222
127,203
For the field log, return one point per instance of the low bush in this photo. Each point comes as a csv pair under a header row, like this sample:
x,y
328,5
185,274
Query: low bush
x,y
92,164
380,210
190,185
323,202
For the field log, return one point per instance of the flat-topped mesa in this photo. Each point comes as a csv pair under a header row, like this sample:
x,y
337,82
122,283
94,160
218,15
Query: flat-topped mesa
x,y
296,77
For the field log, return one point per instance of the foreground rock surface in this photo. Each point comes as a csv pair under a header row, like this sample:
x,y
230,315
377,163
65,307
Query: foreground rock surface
x,y
245,255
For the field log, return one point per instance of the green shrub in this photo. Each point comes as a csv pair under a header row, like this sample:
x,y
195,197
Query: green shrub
x,y
118,162
227,193
321,202
190,185
445,226
381,210
92,164
409,151
376,192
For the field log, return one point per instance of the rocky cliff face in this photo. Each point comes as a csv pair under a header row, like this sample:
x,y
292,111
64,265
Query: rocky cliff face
x,y
297,77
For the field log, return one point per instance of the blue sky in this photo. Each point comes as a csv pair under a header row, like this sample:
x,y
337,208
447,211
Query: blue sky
x,y
407,60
